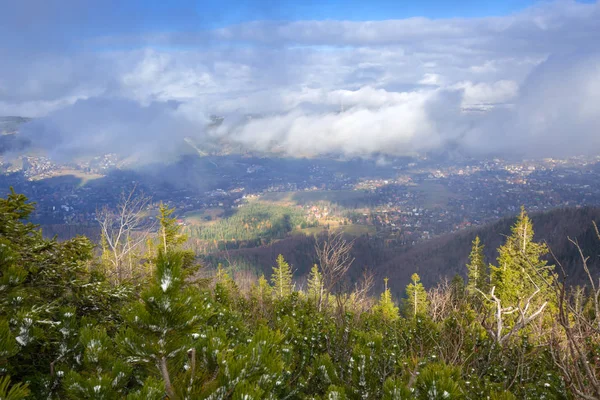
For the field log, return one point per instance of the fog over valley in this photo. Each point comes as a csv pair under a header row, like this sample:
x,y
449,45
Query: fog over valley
x,y
524,84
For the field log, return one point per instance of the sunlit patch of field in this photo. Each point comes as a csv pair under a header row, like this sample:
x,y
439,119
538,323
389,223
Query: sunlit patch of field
x,y
358,230
205,216
84,177
341,197
280,198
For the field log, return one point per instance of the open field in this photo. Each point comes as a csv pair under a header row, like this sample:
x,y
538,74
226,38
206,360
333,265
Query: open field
x,y
199,217
345,198
83,177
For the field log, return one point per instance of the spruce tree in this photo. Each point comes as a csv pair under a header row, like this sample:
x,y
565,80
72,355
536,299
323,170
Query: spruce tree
x,y
170,234
282,278
263,288
386,307
416,297
458,290
226,289
521,269
315,286
477,271
261,293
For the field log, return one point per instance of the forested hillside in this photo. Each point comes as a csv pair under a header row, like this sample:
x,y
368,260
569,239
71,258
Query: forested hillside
x,y
447,255
150,325
439,257
252,225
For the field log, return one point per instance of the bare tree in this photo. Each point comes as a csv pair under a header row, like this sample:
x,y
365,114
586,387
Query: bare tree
x,y
333,253
525,314
361,296
440,301
578,333
123,230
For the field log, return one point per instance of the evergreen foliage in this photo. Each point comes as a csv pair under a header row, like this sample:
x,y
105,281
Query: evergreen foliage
x,y
282,278
170,235
315,287
67,333
521,269
416,297
46,288
477,270
252,221
386,308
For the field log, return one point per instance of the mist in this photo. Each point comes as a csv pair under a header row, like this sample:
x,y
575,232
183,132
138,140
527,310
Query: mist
x,y
526,84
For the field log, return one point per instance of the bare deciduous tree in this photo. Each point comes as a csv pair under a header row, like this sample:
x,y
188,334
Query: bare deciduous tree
x,y
123,230
578,333
361,296
440,301
333,253
525,314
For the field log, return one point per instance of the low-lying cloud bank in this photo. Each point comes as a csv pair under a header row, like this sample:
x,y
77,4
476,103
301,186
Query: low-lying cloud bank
x,y
309,88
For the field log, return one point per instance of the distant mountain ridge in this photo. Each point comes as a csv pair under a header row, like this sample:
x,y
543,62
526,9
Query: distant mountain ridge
x,y
11,124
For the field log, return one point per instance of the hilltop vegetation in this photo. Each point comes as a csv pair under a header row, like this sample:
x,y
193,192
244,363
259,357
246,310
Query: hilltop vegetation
x,y
70,327
255,222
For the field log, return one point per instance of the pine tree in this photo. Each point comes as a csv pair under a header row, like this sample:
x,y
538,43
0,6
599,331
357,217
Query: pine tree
x,y
521,269
438,382
282,278
315,286
170,235
457,290
261,293
416,297
159,327
477,271
226,289
521,283
12,392
222,276
103,375
386,307
44,284
8,348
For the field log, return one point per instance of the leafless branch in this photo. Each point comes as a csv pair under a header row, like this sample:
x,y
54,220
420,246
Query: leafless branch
x,y
124,229
333,253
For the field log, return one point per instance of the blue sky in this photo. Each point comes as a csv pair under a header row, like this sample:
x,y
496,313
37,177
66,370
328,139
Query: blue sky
x,y
190,15
357,10
51,22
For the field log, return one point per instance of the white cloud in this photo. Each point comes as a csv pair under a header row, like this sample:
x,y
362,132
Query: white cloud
x,y
431,79
499,92
315,87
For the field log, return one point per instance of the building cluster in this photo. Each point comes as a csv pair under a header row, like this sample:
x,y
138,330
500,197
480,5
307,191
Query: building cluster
x,y
408,202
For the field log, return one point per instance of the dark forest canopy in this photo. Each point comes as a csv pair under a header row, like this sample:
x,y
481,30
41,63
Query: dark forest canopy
x,y
71,326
